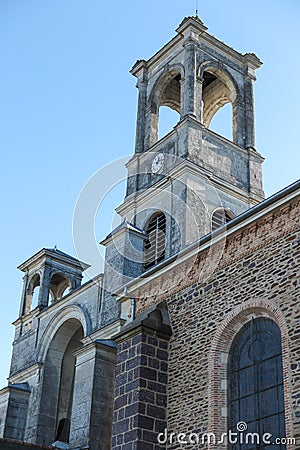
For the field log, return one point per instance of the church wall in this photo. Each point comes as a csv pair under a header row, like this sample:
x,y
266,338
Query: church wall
x,y
269,274
257,275
27,344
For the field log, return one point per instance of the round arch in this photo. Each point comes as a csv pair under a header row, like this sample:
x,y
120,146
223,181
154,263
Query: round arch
x,y
220,216
219,88
59,282
161,83
219,354
223,74
155,244
166,91
74,312
57,380
33,283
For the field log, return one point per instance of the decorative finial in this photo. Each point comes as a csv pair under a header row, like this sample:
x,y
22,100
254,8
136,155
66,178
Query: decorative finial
x,y
55,247
197,8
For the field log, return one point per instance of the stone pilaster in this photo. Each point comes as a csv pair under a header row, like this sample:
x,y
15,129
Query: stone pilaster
x,y
141,114
238,123
14,409
92,410
249,106
123,262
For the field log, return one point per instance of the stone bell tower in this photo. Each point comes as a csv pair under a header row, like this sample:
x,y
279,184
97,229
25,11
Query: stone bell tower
x,y
194,177
191,181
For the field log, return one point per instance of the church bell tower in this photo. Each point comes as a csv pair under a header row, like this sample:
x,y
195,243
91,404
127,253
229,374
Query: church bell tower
x,y
192,180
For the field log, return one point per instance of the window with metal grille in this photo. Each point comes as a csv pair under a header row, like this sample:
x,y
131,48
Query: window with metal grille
x,y
219,218
255,382
154,250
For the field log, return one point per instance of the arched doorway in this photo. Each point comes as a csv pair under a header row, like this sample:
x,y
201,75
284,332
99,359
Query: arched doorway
x,y
58,384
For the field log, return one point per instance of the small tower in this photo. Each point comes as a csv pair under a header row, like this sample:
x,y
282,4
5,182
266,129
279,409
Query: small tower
x,y
42,364
52,272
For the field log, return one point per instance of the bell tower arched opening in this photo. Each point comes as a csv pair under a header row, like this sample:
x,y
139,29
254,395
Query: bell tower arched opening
x,y
219,90
32,294
168,118
59,284
166,94
221,123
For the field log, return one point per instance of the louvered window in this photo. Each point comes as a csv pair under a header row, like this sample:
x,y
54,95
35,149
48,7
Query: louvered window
x,y
219,218
156,241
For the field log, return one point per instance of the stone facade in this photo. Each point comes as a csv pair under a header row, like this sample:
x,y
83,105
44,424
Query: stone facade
x,y
138,357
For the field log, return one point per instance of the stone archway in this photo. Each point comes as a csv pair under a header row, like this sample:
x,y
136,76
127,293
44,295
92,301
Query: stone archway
x,y
58,383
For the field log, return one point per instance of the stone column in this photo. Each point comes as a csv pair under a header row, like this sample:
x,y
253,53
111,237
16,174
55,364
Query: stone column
x,y
249,104
190,79
92,411
24,295
141,115
140,410
151,126
44,287
199,98
238,124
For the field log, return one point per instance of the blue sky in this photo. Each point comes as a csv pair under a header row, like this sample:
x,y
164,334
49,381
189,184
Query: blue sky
x,y
68,107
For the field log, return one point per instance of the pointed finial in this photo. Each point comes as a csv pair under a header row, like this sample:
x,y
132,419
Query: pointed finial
x,y
197,8
55,247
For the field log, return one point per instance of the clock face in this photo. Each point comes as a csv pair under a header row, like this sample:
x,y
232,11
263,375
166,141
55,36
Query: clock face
x,y
157,163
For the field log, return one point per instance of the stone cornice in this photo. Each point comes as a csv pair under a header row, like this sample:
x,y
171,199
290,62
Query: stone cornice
x,y
25,374
52,254
197,26
184,168
105,333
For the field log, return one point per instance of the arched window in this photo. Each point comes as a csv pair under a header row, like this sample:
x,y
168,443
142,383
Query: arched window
x,y
154,250
255,383
219,218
